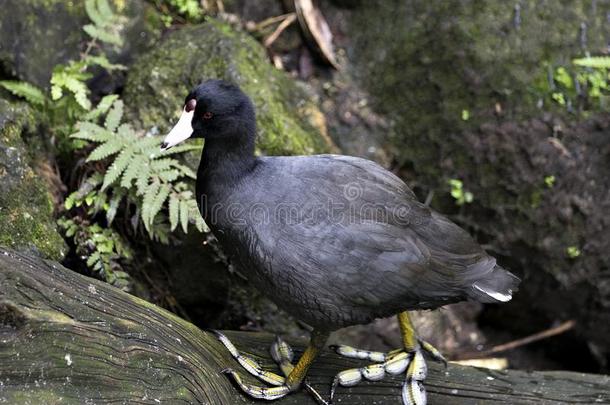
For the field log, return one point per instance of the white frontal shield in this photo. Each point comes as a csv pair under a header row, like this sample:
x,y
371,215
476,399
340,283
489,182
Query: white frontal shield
x,y
180,132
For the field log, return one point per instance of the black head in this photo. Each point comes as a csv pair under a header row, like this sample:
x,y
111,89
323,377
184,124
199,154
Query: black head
x,y
215,109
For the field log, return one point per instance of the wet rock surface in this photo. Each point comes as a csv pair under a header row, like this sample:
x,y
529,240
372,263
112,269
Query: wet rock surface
x,y
26,207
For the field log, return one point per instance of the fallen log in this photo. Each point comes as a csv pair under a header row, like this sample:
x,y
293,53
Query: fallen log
x,y
69,339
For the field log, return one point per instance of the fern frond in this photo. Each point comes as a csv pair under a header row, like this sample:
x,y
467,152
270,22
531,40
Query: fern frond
x,y
142,179
117,167
180,149
80,91
92,12
174,211
91,132
31,93
596,62
195,216
186,171
169,176
132,171
114,116
147,202
184,215
158,201
113,206
106,149
102,107
160,165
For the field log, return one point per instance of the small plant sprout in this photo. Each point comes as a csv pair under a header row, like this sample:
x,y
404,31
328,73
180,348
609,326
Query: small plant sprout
x,y
549,181
573,252
457,191
465,115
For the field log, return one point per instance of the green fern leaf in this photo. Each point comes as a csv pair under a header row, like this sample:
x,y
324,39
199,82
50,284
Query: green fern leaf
x,y
80,91
597,62
147,203
114,116
161,165
132,171
169,176
56,92
105,10
113,206
180,149
102,35
93,13
102,107
31,93
91,132
159,200
196,217
106,149
174,211
149,146
117,167
186,171
142,178
184,215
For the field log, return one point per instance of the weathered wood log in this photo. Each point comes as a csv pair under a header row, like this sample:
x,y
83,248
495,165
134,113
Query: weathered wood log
x,y
66,338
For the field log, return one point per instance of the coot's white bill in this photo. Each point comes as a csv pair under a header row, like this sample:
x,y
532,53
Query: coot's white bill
x,y
181,131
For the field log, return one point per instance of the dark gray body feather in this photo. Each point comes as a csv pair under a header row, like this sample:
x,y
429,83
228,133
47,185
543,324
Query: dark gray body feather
x,y
338,240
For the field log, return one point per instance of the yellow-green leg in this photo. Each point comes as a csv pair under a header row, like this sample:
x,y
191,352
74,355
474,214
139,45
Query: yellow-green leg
x,y
410,359
282,354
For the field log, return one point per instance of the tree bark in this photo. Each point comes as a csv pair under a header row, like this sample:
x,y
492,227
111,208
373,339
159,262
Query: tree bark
x,y
66,338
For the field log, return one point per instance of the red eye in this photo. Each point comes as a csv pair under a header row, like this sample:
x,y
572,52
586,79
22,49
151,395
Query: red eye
x,y
190,105
207,115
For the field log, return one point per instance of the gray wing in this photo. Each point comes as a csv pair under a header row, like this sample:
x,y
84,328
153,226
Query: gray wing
x,y
349,222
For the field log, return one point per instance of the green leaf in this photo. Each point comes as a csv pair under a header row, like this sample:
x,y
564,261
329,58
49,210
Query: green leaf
x,y
113,207
80,91
102,35
184,215
93,259
169,176
147,203
106,149
132,171
92,132
180,149
31,93
142,178
105,10
56,92
174,211
93,13
114,116
101,108
597,62
117,167
159,200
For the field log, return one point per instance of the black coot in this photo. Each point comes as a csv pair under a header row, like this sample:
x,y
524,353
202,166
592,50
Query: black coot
x,y
334,240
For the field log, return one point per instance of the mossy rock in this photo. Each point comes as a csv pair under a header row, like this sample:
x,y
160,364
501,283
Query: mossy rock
x,y
36,35
26,209
289,122
440,68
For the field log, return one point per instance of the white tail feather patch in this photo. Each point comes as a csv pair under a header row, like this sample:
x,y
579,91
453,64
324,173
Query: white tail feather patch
x,y
495,295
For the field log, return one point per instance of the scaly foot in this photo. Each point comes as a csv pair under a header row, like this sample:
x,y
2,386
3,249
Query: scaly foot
x,y
282,353
392,363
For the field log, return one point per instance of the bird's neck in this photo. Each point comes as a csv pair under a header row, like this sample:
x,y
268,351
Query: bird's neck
x,y
226,161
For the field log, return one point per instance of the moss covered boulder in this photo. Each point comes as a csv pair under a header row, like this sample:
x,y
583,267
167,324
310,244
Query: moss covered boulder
x,y
26,209
36,35
289,122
